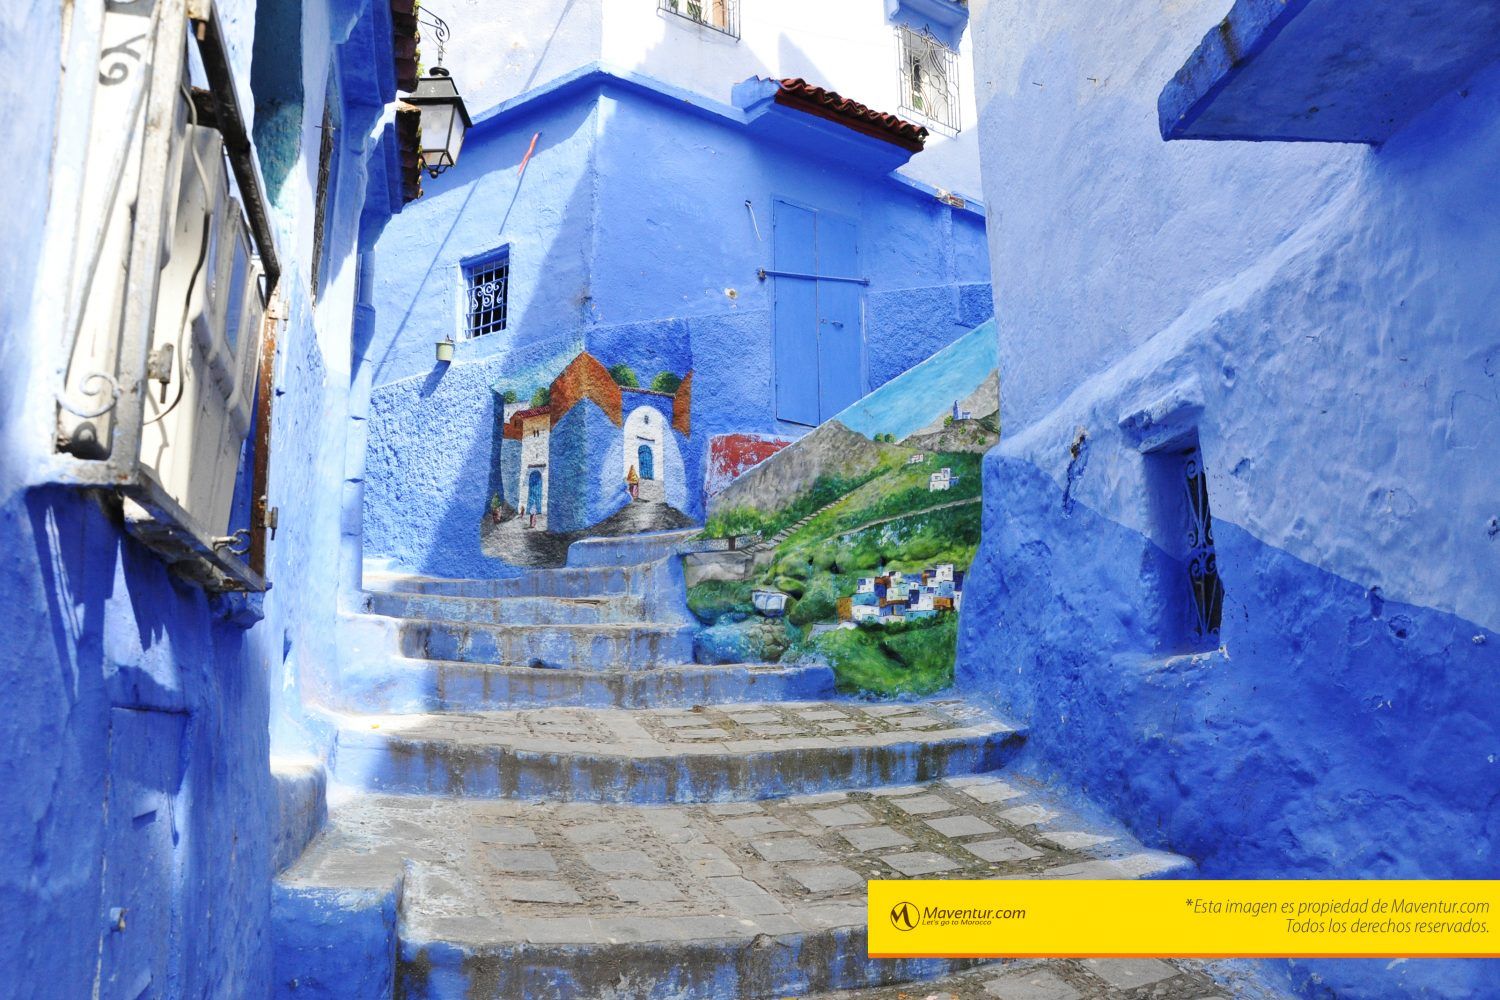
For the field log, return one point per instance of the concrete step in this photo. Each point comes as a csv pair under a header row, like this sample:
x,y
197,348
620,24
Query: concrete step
x,y
547,901
402,685
626,550
505,610
714,753
604,646
567,581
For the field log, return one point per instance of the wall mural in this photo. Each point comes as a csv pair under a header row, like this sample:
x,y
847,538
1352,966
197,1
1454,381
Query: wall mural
x,y
587,451
852,545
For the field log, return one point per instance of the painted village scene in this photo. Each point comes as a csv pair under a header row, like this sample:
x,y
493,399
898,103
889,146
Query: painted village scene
x,y
851,546
587,451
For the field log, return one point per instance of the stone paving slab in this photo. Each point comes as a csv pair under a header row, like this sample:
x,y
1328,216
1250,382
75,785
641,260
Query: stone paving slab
x,y
1112,979
669,755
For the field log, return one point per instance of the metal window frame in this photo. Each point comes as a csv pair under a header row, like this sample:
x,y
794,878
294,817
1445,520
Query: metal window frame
x,y
684,10
913,44
213,561
471,267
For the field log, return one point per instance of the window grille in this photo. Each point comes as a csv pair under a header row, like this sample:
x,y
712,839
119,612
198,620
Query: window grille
x,y
929,80
720,15
489,293
1203,570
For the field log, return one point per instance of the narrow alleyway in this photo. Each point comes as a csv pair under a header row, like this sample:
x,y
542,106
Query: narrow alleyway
x,y
653,827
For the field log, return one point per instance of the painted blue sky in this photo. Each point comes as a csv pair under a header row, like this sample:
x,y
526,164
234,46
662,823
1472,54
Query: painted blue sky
x,y
916,398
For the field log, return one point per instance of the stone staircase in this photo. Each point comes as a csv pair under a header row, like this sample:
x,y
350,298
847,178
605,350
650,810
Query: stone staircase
x,y
536,794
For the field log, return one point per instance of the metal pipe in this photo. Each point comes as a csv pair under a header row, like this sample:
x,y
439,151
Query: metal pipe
x,y
763,274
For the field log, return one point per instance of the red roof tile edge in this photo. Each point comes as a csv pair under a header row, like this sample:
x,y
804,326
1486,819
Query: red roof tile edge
x,y
798,93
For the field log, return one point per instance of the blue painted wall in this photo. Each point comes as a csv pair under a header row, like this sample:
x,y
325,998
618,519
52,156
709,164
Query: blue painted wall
x,y
137,746
630,237
1323,317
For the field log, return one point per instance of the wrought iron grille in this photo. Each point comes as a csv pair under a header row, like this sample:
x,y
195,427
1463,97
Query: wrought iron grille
x,y
929,80
489,293
1203,569
720,15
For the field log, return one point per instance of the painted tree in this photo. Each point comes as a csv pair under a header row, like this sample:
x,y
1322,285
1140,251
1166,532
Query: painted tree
x,y
666,382
624,375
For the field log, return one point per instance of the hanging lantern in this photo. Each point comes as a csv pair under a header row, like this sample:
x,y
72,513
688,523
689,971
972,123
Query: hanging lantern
x,y
445,120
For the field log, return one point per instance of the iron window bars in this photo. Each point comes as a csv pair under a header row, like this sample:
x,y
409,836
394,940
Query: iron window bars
x,y
489,294
929,79
720,15
1206,589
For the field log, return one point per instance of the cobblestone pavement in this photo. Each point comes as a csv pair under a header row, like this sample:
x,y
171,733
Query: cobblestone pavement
x,y
1089,979
505,870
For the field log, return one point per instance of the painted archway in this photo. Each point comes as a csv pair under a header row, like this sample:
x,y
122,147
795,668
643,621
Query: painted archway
x,y
643,432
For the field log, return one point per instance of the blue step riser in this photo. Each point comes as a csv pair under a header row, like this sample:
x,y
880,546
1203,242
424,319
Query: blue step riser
x,y
375,763
783,966
506,610
622,649
410,687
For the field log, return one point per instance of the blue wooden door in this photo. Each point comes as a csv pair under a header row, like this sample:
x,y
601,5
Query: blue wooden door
x,y
840,337
818,333
140,873
534,492
646,463
795,314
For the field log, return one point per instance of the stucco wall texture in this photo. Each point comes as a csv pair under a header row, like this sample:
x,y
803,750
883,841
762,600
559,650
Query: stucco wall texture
x,y
1324,316
142,721
629,237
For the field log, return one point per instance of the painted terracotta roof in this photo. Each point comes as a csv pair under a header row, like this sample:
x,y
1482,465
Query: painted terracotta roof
x,y
797,93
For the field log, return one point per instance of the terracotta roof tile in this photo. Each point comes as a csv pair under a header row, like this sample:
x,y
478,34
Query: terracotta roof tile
x,y
798,93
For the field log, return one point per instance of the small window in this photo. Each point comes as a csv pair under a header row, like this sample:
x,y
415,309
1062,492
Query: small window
x,y
929,79
1192,592
488,283
721,15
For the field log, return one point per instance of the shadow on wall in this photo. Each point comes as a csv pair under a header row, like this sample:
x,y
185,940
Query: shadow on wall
x,y
138,738
432,440
1337,725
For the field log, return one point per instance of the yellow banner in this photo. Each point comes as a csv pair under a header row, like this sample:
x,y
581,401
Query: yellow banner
x,y
1042,918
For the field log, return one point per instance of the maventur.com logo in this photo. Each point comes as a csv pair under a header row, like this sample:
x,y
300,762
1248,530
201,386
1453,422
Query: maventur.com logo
x,y
905,916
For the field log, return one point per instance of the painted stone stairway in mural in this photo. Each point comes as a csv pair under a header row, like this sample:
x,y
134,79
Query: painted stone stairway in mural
x,y
854,542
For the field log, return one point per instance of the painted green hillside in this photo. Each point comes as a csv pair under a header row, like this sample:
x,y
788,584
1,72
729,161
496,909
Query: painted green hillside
x,y
892,520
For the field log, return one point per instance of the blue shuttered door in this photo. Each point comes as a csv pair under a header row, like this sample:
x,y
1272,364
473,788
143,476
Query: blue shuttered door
x,y
818,333
795,315
140,873
840,339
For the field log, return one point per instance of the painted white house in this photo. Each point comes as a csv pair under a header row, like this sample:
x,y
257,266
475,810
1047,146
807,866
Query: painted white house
x,y
940,480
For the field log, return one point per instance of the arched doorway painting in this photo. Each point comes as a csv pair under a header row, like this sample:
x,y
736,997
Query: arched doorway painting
x,y
645,463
